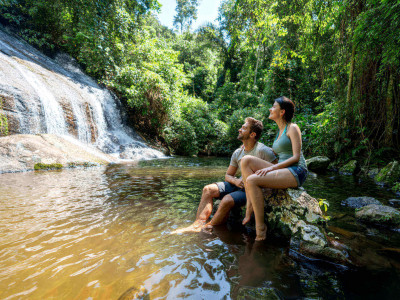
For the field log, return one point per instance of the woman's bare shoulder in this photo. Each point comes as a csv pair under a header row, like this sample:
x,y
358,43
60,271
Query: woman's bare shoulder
x,y
294,127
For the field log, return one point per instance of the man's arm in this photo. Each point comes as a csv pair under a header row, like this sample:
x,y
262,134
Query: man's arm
x,y
230,177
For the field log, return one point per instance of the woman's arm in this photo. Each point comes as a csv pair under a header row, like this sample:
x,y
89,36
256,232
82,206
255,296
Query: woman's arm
x,y
294,134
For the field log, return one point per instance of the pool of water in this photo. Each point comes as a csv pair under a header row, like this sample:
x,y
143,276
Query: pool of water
x,y
105,233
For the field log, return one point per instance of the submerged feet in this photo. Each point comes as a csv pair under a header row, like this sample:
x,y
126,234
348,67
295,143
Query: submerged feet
x,y
197,226
261,231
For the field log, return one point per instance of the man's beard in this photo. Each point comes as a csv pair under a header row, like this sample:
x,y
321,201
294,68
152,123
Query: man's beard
x,y
242,137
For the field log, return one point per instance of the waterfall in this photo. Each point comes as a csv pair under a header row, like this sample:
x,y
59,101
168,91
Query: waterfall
x,y
45,95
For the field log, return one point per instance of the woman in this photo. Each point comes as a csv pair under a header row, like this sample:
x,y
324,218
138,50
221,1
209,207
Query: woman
x,y
289,172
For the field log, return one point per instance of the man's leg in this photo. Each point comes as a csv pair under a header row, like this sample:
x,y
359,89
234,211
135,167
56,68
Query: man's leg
x,y
236,198
222,213
206,203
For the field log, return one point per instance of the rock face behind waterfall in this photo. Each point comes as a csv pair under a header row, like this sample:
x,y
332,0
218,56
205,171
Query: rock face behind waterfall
x,y
42,95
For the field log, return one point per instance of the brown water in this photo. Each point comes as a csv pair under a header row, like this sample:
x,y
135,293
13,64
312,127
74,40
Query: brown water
x,y
101,233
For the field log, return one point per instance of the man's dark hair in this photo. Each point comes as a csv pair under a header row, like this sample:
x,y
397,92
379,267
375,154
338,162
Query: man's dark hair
x,y
255,126
288,105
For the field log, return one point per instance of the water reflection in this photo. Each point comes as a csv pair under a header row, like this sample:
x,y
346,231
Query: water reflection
x,y
105,233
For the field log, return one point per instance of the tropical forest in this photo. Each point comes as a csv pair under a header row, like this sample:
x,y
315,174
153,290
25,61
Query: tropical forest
x,y
170,101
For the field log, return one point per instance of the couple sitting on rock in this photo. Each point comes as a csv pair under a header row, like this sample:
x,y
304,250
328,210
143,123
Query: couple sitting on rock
x,y
260,168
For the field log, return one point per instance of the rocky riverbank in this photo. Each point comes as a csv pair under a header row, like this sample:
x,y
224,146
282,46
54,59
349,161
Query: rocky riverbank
x,y
26,152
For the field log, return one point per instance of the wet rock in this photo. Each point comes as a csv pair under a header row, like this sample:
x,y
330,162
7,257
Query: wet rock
x,y
373,172
395,203
379,215
257,293
389,174
22,152
295,215
358,202
318,163
350,168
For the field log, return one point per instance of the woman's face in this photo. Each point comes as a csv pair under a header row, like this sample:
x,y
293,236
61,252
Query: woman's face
x,y
275,112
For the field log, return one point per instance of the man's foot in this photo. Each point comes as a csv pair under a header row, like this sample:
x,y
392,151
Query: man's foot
x,y
261,231
195,227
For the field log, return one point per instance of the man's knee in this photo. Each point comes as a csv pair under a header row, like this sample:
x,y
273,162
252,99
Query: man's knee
x,y
211,190
227,202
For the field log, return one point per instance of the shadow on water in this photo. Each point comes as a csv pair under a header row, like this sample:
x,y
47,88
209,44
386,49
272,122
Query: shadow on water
x,y
105,233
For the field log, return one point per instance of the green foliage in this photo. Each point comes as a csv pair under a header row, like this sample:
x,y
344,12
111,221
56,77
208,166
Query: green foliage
x,y
55,166
396,187
181,137
338,61
3,120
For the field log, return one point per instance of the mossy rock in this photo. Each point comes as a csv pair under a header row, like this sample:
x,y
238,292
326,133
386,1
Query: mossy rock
x,y
390,174
349,168
41,166
318,163
379,215
396,187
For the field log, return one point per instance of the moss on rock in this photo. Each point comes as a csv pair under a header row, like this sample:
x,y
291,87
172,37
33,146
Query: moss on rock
x,y
349,168
41,166
390,174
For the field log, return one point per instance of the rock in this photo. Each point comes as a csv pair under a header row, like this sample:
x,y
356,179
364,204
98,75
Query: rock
x,y
389,174
349,168
395,203
318,163
257,293
373,172
358,202
295,215
24,152
379,215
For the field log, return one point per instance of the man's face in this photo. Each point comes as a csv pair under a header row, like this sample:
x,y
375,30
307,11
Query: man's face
x,y
244,132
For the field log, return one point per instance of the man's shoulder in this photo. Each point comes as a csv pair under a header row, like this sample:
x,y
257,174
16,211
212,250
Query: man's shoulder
x,y
262,147
237,151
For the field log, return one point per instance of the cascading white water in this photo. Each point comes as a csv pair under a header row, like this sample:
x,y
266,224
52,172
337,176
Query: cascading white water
x,y
55,96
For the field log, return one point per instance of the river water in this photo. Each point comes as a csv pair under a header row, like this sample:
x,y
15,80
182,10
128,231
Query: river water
x,y
105,233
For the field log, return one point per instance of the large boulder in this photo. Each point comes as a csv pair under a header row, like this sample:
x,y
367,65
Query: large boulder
x,y
395,202
318,163
389,174
358,202
295,215
25,152
379,215
350,168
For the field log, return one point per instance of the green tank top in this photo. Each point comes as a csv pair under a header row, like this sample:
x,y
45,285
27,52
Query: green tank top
x,y
283,148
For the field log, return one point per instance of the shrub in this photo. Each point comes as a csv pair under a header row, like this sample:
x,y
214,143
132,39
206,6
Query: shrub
x,y
181,137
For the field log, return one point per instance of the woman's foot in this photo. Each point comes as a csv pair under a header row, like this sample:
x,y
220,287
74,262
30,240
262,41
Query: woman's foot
x,y
261,231
246,220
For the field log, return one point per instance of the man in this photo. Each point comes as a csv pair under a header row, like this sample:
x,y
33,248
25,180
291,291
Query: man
x,y
231,192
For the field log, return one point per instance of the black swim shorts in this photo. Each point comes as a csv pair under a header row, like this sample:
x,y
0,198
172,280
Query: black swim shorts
x,y
238,194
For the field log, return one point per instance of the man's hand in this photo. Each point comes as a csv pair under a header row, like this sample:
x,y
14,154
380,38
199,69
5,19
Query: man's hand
x,y
239,183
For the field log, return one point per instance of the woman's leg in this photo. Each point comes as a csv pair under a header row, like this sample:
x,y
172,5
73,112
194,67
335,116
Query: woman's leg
x,y
250,164
279,179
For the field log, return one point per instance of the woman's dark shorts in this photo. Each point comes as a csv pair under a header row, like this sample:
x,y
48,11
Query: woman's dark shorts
x,y
238,194
299,173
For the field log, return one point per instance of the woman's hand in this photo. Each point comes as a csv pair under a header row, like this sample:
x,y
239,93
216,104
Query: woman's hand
x,y
265,171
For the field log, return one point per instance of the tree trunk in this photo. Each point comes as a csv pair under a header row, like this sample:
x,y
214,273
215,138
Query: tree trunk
x,y
389,112
255,71
350,83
